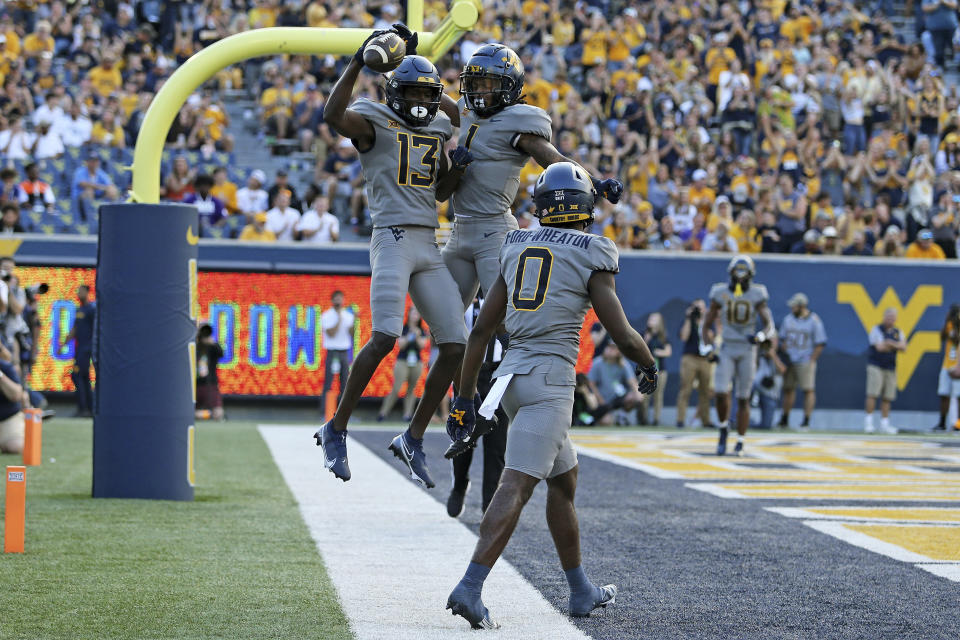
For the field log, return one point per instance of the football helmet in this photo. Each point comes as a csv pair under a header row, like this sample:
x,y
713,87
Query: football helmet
x,y
491,61
741,270
413,91
564,193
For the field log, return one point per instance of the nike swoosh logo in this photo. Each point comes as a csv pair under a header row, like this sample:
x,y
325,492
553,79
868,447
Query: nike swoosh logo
x,y
394,47
191,236
408,453
487,235
328,463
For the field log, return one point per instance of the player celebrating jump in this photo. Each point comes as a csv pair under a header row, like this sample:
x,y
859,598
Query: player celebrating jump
x,y
740,301
547,281
401,151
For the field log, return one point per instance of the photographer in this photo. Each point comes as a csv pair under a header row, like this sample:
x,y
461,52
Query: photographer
x,y
12,427
82,332
28,357
695,366
15,329
209,352
768,382
949,383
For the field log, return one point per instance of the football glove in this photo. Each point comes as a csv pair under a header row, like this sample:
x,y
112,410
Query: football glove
x,y
410,39
611,189
460,158
462,418
480,429
647,379
358,56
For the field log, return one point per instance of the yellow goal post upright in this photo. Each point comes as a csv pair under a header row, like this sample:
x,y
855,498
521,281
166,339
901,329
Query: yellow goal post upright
x,y
147,275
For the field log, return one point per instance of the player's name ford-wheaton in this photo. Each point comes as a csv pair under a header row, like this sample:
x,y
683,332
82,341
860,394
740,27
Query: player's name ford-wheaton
x,y
556,236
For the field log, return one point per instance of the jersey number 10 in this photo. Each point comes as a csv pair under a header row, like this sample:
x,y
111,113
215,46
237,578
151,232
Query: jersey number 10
x,y
406,176
544,262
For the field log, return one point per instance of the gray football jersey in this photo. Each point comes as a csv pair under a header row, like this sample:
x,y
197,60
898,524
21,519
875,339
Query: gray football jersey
x,y
402,166
490,183
739,313
546,272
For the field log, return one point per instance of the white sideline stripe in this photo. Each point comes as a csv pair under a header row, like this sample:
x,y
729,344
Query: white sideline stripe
x,y
392,552
948,571
630,464
715,489
806,514
862,540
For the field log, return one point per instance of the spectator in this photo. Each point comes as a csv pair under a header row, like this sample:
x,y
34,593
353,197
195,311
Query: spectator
x,y
810,245
74,128
256,231
308,115
696,366
886,340
666,239
859,246
803,339
105,77
948,385
339,326
16,143
108,131
35,194
720,240
211,209
924,247
277,105
282,219
659,344
408,368
252,199
48,143
10,191
50,111
614,383
10,221
940,19
283,184
82,336
179,181
318,225
831,242
12,425
91,182
209,353
225,190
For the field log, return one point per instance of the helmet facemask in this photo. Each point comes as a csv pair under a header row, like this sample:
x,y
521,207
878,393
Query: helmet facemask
x,y
485,93
416,103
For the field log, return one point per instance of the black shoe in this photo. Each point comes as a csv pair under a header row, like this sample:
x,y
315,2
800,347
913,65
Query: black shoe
x,y
46,414
679,424
940,427
455,501
480,429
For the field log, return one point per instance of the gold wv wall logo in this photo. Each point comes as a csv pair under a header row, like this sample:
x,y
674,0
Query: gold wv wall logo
x,y
870,315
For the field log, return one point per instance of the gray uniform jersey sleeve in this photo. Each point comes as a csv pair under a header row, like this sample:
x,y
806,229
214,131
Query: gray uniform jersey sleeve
x,y
738,313
546,273
402,166
490,183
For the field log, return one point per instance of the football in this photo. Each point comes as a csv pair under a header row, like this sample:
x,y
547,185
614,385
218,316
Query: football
x,y
385,52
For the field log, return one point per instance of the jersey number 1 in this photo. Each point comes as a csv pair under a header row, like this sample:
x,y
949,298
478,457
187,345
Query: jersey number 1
x,y
544,261
407,177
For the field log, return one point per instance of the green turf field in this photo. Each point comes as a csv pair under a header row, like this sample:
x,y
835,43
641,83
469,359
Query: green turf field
x,y
236,563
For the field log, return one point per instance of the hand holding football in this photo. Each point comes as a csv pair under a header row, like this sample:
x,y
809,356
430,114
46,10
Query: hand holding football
x,y
385,52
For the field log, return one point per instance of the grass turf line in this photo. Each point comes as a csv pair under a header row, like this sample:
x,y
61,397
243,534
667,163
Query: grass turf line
x,y
236,563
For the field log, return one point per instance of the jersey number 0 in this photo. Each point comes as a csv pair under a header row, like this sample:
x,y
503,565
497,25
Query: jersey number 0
x,y
543,259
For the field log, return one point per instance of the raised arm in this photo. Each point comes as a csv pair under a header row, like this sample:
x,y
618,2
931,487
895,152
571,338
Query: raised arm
x,y
344,121
450,107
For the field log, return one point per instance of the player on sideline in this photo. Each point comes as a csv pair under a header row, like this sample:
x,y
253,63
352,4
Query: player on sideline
x,y
401,151
548,279
498,135
740,302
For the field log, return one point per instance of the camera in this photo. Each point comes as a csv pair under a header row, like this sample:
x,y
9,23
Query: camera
x,y
954,312
694,313
767,382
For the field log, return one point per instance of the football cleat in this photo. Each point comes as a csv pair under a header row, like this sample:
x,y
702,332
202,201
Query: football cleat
x,y
722,442
738,450
334,445
480,429
410,453
580,606
470,607
455,501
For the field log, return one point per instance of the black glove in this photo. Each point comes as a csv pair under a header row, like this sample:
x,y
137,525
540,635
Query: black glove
x,y
647,379
460,158
410,39
358,56
462,418
611,189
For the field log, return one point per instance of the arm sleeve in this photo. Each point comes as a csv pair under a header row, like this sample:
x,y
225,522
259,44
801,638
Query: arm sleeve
x,y
529,119
327,320
876,336
603,255
819,332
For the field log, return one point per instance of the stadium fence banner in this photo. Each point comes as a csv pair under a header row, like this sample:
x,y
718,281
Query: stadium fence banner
x,y
265,301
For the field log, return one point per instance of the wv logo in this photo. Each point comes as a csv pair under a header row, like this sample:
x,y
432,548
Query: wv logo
x,y
870,315
398,233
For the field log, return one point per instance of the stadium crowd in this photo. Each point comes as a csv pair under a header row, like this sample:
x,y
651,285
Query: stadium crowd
x,y
758,126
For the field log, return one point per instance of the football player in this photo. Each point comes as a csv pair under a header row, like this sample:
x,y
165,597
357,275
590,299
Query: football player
x,y
735,305
401,152
498,135
548,280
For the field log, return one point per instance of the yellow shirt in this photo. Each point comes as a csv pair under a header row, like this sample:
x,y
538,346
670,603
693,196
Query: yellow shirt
x,y
99,134
538,93
798,30
532,7
105,81
33,44
718,61
251,234
214,121
276,101
950,349
594,47
713,220
747,241
262,17
227,192
619,46
129,102
705,193
11,49
636,35
563,33
933,252
639,180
